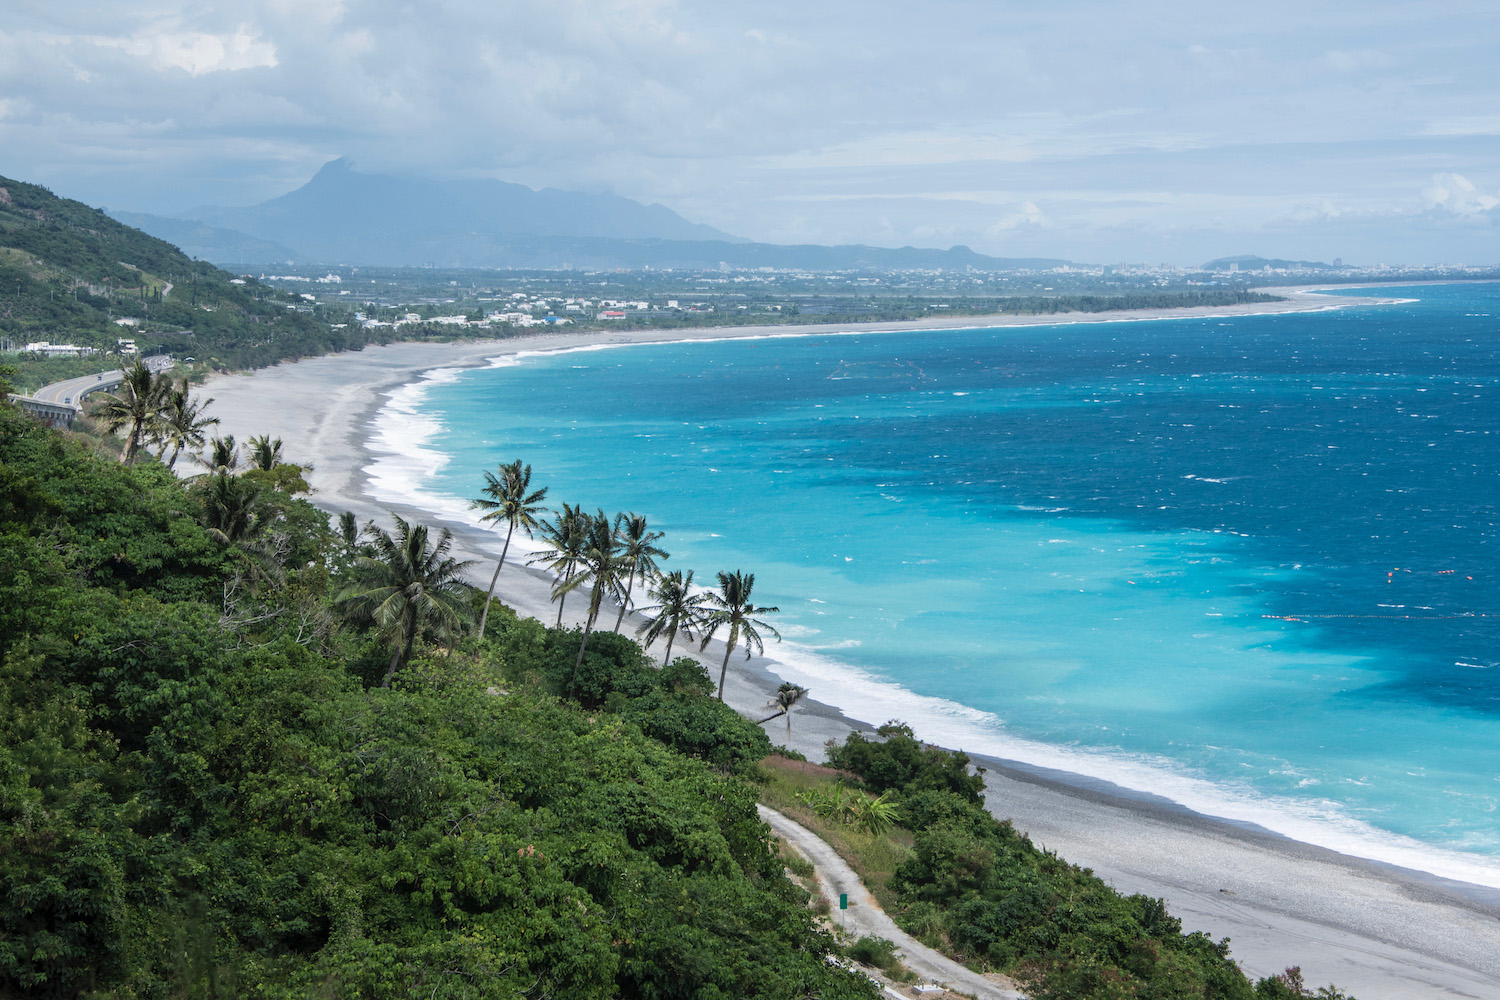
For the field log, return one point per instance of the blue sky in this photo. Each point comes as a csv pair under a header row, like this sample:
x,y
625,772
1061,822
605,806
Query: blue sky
x,y
1096,131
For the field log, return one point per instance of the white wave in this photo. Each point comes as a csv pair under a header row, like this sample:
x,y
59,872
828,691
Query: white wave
x,y
865,696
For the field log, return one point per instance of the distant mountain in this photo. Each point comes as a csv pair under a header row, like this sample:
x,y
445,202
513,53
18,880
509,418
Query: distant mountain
x,y
198,239
1250,263
344,216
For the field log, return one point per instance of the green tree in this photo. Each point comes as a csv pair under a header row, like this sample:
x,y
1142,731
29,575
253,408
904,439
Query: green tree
x,y
786,696
730,607
509,498
264,453
183,422
567,535
231,507
223,455
409,587
138,405
638,554
677,609
599,567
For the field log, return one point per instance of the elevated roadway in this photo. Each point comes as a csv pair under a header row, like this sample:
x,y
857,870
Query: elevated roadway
x,y
59,403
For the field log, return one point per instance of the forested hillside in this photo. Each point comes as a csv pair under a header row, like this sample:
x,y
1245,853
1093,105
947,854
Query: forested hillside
x,y
68,272
243,754
201,794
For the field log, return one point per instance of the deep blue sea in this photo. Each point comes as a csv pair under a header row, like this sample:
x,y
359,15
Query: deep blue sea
x,y
1246,563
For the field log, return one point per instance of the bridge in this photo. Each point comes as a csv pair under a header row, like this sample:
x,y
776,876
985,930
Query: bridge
x,y
57,405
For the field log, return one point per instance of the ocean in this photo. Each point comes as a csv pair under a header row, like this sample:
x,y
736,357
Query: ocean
x,y
1244,563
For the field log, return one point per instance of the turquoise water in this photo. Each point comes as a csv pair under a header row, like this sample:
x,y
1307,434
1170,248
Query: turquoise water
x,y
1246,563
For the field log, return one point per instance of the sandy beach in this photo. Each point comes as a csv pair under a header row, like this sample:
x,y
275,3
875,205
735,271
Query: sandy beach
x,y
1376,931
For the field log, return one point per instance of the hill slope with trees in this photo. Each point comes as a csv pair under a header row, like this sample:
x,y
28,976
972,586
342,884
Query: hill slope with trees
x,y
68,272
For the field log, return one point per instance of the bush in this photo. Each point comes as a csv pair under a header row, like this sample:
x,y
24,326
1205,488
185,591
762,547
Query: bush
x,y
876,952
898,760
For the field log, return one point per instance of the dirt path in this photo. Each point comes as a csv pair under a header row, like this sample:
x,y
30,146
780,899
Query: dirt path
x,y
864,917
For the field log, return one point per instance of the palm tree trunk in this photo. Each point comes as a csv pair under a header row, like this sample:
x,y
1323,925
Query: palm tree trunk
x,y
132,445
671,638
629,586
402,652
484,615
562,600
724,670
588,628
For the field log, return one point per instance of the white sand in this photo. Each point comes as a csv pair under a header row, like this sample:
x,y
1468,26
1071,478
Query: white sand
x,y
1379,932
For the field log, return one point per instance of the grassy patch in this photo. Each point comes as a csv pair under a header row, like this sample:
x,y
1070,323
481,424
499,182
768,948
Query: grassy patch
x,y
873,857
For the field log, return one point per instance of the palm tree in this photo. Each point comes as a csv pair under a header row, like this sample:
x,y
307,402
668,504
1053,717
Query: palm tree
x,y
223,456
510,498
264,453
409,587
236,515
567,533
183,422
678,609
138,405
638,554
230,507
786,696
601,565
731,606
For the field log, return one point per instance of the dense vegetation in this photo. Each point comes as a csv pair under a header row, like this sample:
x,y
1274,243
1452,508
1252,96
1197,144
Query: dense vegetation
x,y
203,792
67,272
972,886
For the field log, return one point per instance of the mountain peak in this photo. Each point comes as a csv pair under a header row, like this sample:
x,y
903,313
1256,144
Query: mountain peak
x,y
342,214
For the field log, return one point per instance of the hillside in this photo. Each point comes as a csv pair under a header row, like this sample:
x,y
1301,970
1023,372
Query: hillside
x,y
69,273
198,239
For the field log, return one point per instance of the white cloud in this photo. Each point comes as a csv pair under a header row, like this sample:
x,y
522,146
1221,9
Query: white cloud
x,y
1026,215
1457,194
840,121
1464,125
197,52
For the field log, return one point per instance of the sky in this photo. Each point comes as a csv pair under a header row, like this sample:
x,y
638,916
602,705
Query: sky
x,y
1102,132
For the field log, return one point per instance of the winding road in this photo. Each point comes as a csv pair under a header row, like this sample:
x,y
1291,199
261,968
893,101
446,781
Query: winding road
x,y
864,917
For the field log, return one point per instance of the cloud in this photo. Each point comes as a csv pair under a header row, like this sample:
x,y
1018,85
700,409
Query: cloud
x,y
197,52
840,121
1026,215
1457,194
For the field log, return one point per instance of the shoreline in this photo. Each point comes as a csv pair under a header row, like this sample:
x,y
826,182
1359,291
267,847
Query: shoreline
x,y
1375,930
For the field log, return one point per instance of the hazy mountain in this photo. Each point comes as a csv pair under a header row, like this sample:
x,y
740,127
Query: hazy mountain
x,y
1252,263
343,215
198,239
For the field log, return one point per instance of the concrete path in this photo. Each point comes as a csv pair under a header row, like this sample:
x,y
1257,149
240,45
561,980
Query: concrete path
x,y
864,917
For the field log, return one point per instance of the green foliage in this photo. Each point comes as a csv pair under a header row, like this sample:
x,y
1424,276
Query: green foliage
x,y
199,795
972,886
874,814
898,761
70,270
876,952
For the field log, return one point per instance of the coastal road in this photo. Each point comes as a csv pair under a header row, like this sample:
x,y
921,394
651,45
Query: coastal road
x,y
70,391
864,917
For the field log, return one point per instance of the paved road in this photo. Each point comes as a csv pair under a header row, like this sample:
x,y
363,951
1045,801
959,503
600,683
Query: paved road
x,y
70,392
865,917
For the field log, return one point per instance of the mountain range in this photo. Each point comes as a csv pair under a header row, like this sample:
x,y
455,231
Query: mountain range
x,y
345,216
